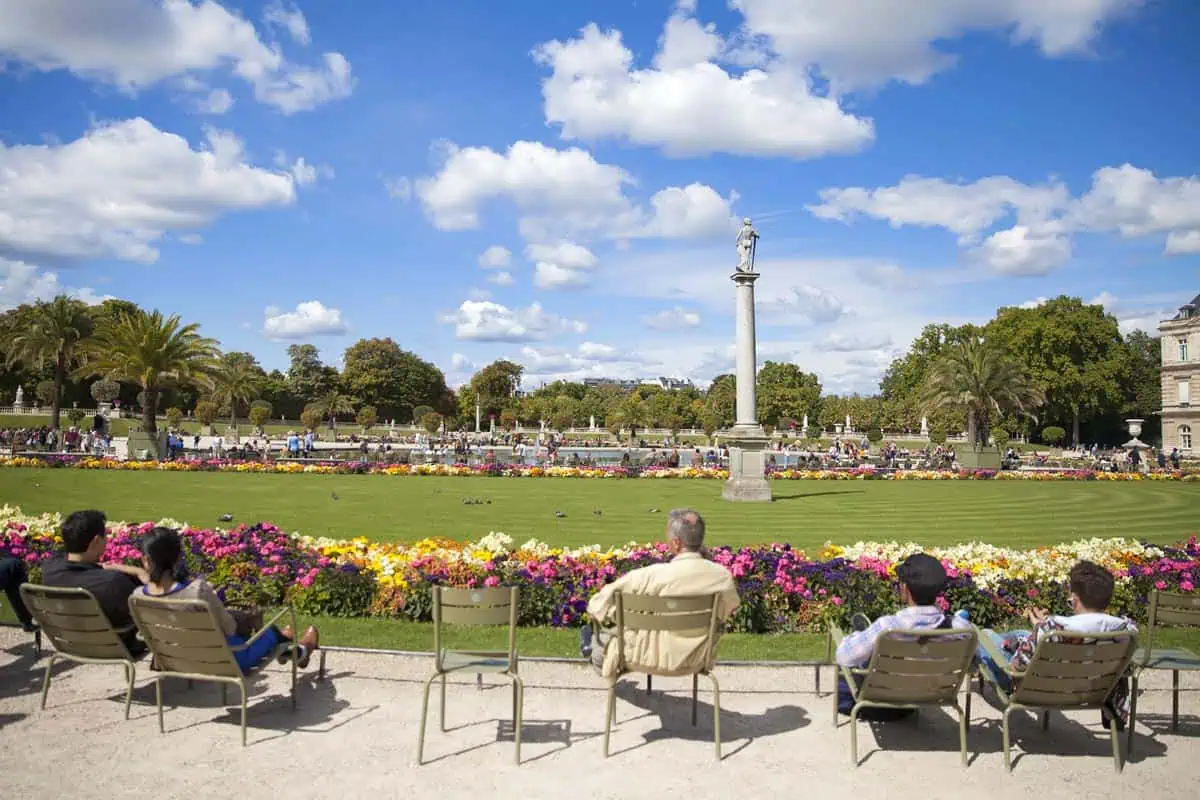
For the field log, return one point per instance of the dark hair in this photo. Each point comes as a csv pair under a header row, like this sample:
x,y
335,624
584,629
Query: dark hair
x,y
162,548
1092,584
924,576
80,528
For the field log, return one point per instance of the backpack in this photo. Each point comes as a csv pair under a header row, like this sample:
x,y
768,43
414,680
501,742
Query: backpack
x,y
871,714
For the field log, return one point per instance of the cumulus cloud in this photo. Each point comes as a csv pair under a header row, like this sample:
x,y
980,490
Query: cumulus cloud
x,y
117,190
672,319
562,265
495,257
486,321
134,44
22,283
289,19
502,278
805,305
692,211
310,318
853,342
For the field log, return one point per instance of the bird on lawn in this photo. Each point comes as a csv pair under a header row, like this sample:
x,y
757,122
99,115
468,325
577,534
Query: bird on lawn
x,y
654,511
227,518
597,512
334,495
559,514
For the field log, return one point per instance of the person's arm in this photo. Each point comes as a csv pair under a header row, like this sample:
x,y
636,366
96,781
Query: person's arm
x,y
856,648
137,573
603,604
728,601
208,594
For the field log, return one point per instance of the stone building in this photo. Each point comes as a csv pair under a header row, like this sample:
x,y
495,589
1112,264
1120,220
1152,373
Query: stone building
x,y
1181,379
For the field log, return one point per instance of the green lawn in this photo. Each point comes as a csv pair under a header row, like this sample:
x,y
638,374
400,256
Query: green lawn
x,y
805,513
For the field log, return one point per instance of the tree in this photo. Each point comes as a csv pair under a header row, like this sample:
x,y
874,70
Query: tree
x,y
508,419
153,352
278,393
1143,389
977,376
75,415
55,333
721,399
366,417
419,413
785,391
259,416
632,414
46,393
1000,438
104,391
1053,434
311,417
906,375
396,381
307,377
432,422
1073,351
174,417
496,384
206,412
236,379
331,404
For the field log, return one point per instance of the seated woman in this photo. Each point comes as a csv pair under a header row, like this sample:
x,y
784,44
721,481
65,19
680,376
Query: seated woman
x,y
162,554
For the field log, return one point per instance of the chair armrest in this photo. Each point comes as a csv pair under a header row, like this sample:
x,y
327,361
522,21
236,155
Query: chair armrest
x,y
286,610
1003,660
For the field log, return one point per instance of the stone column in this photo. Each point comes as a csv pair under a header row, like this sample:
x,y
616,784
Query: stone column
x,y
747,440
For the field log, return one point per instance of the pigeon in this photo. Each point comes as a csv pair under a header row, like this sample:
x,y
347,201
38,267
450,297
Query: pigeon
x,y
227,518
654,511
37,485
334,495
597,512
559,514
489,502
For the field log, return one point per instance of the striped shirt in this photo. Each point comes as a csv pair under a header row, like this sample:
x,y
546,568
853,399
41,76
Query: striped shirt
x,y
857,648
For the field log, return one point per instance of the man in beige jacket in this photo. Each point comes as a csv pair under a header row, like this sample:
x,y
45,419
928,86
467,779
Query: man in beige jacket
x,y
688,573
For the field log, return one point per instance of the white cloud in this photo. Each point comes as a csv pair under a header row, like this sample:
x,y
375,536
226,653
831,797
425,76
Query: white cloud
x,y
1105,298
495,256
302,172
1034,303
590,359
310,318
562,265
460,363
686,104
216,102
502,278
118,189
486,321
806,305
133,44
289,19
866,42
693,211
853,342
22,283
1126,200
552,276
672,319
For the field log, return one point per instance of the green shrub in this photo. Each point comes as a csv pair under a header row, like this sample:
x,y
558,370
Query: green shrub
x,y
337,593
259,416
937,436
1000,438
174,417
874,435
1053,434
206,412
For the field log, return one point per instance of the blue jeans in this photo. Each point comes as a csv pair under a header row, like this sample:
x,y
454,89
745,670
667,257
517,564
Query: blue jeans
x,y
1007,643
261,650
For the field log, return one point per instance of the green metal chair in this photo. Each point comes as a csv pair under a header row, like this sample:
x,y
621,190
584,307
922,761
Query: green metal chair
x,y
79,631
669,615
910,669
475,607
1167,609
1069,671
188,642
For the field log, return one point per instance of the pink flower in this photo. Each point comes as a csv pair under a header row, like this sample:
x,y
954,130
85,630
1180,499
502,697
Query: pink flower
x,y
1032,593
1187,586
837,601
492,580
1160,585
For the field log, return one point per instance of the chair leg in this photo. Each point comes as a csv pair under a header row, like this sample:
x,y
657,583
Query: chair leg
x,y
46,680
1133,698
1007,743
518,711
835,704
1174,700
158,701
243,688
37,643
967,711
964,719
716,713
224,695
649,684
695,691
854,735
424,716
1045,720
817,678
1116,743
610,711
442,710
130,674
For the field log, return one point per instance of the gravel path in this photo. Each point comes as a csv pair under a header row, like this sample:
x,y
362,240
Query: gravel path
x,y
354,735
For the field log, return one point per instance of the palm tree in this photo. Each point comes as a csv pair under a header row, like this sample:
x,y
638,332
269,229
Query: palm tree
x,y
235,381
153,351
333,403
55,331
980,378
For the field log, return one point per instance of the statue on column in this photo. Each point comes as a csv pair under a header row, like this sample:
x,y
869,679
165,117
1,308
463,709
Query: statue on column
x,y
20,401
747,243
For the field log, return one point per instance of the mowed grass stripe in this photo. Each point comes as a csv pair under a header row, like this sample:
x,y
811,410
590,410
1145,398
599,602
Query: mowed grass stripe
x,y
805,513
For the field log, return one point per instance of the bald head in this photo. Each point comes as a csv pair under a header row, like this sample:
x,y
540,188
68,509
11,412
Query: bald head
x,y
686,527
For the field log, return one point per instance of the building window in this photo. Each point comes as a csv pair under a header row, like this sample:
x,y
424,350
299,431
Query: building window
x,y
1185,437
1183,353
1185,392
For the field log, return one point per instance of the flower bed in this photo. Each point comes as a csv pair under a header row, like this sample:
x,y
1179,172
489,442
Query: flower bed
x,y
782,589
518,471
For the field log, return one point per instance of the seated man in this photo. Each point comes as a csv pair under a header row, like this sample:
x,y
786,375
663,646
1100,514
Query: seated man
x,y
688,573
84,540
922,578
12,575
1091,587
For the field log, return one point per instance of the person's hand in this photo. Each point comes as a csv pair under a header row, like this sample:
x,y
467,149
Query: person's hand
x,y
1037,615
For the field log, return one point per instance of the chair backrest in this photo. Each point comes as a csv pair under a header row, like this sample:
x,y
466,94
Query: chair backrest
x,y
694,614
184,635
1075,670
490,606
74,622
1170,609
919,666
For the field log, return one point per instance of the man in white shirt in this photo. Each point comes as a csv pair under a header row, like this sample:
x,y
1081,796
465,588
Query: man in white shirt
x,y
689,573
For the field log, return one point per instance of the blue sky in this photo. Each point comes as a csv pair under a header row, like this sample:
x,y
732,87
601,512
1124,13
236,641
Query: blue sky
x,y
560,183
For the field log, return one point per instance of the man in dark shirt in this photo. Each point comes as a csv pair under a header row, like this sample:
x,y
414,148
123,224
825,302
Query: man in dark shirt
x,y
12,575
84,539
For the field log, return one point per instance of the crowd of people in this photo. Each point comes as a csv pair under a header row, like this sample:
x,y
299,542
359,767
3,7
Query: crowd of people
x,y
45,439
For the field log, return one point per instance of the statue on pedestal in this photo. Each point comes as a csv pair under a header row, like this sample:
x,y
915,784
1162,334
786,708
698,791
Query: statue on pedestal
x,y
20,401
924,426
747,244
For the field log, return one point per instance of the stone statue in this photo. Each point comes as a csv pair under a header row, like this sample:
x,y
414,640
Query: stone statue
x,y
924,425
747,244
849,427
804,424
20,401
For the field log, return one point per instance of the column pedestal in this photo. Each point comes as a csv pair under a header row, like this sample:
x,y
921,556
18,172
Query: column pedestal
x,y
747,465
